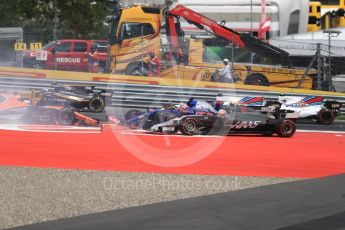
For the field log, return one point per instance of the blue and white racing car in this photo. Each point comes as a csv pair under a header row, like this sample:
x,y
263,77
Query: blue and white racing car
x,y
145,120
309,107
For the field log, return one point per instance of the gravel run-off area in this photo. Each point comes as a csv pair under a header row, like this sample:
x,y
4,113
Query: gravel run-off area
x,y
32,195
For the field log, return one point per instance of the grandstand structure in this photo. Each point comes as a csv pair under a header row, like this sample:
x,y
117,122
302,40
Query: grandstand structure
x,y
305,44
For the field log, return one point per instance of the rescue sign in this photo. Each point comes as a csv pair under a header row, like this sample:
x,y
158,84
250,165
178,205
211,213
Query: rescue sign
x,y
19,46
68,60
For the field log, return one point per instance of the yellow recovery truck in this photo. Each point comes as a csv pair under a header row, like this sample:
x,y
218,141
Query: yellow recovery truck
x,y
139,30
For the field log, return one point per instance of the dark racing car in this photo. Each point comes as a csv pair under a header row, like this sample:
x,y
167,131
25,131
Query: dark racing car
x,y
230,120
81,98
15,110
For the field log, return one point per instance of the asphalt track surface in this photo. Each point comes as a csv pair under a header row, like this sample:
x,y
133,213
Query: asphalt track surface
x,y
317,204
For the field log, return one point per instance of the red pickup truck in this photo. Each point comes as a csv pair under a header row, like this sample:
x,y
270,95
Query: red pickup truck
x,y
69,54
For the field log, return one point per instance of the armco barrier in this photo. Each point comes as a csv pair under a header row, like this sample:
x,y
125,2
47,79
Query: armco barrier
x,y
143,92
142,95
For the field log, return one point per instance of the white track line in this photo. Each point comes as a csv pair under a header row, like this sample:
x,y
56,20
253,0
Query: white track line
x,y
145,133
50,129
169,135
320,131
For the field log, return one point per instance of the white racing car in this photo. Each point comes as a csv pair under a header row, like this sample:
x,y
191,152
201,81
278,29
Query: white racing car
x,y
312,107
309,107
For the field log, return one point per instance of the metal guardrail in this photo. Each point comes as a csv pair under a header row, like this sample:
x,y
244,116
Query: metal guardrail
x,y
143,96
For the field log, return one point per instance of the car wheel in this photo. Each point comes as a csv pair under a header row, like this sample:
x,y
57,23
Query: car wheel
x,y
134,124
65,117
101,68
131,114
37,65
325,117
286,128
189,127
97,104
164,116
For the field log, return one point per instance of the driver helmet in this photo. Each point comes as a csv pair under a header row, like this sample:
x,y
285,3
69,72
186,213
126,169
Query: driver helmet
x,y
222,112
226,61
191,102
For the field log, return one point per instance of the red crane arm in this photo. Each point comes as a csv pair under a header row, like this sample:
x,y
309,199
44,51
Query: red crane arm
x,y
240,39
202,22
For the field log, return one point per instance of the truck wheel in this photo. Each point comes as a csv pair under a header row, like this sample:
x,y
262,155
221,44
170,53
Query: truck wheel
x,y
97,104
136,69
325,117
65,117
189,127
286,128
256,79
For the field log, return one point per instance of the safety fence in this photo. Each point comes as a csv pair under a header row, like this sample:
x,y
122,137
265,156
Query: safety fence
x,y
142,95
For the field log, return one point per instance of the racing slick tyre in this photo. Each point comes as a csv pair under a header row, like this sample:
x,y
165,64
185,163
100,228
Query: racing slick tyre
x,y
164,116
97,104
256,79
131,114
325,117
286,128
65,117
189,127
